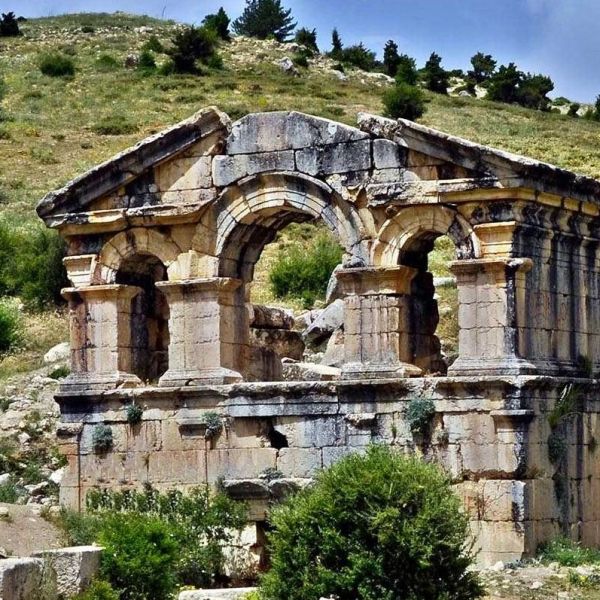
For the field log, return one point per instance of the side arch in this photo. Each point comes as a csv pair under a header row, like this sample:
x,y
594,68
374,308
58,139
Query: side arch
x,y
414,222
126,244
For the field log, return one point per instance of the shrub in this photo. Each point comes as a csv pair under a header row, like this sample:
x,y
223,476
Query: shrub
x,y
219,23
567,553
80,529
304,272
114,125
190,46
134,413
57,65
153,44
359,56
102,438
404,101
9,492
407,70
98,590
11,325
139,556
107,63
31,264
146,62
60,372
374,527
504,84
300,59
574,109
265,18
419,415
307,38
199,522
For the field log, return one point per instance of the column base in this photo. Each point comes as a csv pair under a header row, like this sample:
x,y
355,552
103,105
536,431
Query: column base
x,y
83,382
379,371
473,367
217,376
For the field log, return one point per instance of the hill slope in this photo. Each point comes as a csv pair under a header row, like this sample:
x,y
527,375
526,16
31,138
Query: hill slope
x,y
49,129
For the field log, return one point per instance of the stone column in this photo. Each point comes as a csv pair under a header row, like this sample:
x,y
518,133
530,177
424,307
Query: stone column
x,y
377,328
491,302
100,329
208,329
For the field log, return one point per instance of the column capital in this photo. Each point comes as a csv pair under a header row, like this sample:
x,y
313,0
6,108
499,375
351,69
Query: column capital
x,y
370,281
506,265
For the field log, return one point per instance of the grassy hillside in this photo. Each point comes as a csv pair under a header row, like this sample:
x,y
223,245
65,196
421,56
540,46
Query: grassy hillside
x,y
48,130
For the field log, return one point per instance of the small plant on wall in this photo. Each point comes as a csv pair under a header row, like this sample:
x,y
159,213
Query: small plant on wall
x,y
213,423
134,413
419,415
102,438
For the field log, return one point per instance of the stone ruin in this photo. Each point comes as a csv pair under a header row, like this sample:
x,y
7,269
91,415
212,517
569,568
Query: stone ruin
x,y
162,243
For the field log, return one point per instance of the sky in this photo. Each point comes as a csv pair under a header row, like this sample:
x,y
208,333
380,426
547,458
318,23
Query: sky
x,y
555,37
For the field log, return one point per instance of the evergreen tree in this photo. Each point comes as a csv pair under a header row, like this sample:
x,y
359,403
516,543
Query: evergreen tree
x,y
404,101
391,58
219,23
265,18
9,27
483,67
407,70
435,77
307,38
533,91
359,56
504,85
192,45
336,45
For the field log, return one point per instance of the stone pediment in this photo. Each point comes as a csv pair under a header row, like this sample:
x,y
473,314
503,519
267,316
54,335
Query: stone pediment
x,y
177,172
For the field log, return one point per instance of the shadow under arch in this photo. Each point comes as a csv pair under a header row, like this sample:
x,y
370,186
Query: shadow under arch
x,y
127,244
249,216
407,239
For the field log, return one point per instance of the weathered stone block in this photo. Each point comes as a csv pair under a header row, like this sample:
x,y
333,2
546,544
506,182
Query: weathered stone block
x,y
75,567
299,462
26,579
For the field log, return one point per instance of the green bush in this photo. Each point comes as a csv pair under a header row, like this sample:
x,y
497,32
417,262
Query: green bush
x,y
9,492
114,125
57,65
404,101
219,23
9,25
264,19
11,325
568,553
146,62
102,438
419,414
134,413
191,46
359,56
106,63
98,590
153,44
307,38
376,527
199,523
140,556
303,270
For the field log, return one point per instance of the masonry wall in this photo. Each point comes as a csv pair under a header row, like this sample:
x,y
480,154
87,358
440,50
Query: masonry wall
x,y
491,436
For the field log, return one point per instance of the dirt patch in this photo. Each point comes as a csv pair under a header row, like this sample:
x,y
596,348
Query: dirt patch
x,y
24,531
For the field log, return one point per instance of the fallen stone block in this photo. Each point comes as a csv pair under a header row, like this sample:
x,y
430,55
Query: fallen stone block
x,y
75,567
26,579
330,319
309,372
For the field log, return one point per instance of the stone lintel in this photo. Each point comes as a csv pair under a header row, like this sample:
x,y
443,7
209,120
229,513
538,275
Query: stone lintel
x,y
366,281
80,269
209,284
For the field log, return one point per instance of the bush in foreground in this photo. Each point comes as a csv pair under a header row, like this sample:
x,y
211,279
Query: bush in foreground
x,y
375,527
11,326
568,553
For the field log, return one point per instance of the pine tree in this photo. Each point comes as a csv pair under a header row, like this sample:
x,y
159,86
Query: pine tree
x,y
336,45
435,77
9,26
406,71
391,58
504,85
307,38
265,18
484,67
219,23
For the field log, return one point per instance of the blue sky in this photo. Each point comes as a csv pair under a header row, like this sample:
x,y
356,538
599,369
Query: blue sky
x,y
555,37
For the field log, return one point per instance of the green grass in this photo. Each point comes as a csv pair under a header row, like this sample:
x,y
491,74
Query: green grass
x,y
568,553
